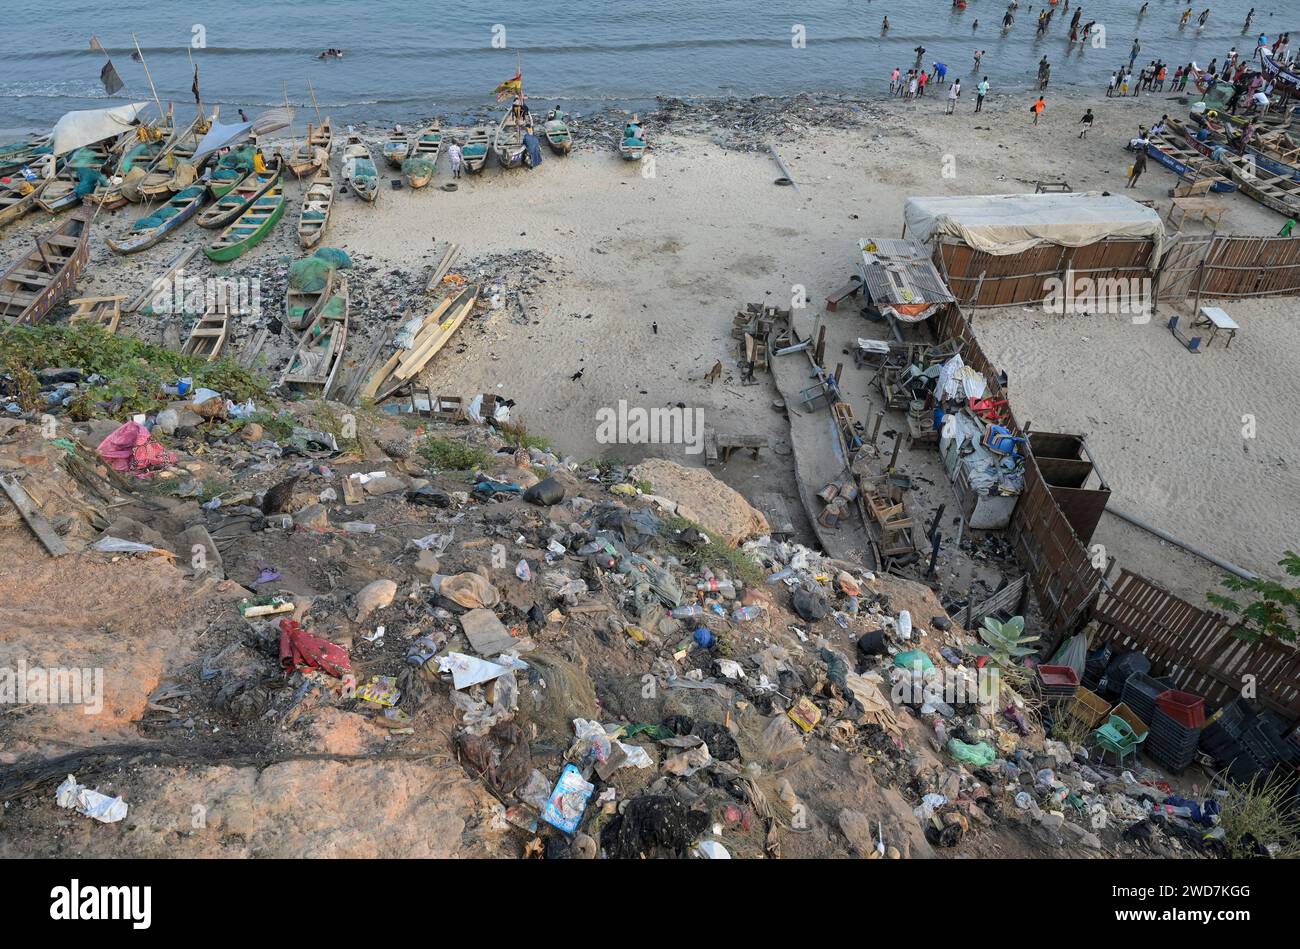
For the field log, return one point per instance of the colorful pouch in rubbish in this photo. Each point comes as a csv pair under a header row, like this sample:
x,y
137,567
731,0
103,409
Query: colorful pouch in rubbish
x,y
568,801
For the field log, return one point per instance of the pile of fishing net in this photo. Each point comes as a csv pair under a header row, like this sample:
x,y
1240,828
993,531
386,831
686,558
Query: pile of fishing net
x,y
312,274
419,168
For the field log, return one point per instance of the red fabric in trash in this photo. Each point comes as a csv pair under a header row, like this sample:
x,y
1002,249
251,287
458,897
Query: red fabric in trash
x,y
131,447
300,649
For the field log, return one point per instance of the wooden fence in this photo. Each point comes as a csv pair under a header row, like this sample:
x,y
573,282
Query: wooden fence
x,y
1058,564
980,279
1196,647
1212,266
1227,267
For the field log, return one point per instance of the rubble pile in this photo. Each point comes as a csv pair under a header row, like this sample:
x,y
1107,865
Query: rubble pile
x,y
330,631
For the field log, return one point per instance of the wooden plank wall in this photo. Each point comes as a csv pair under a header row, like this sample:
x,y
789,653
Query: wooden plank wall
x,y
1197,647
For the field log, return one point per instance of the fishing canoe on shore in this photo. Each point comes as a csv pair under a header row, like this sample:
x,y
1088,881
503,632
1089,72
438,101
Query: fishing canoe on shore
x,y
46,275
556,130
509,141
1278,192
633,144
237,200
396,147
153,227
17,198
251,227
359,171
314,366
317,202
475,151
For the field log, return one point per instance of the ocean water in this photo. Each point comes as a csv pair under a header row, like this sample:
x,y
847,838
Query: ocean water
x,y
407,59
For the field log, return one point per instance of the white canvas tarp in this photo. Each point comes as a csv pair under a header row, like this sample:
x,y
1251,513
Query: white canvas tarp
x,y
220,136
78,129
1005,224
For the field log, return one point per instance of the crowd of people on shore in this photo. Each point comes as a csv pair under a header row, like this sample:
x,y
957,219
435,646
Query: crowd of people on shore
x,y
1252,89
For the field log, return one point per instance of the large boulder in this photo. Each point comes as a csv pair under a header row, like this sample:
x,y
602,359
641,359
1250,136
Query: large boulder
x,y
699,496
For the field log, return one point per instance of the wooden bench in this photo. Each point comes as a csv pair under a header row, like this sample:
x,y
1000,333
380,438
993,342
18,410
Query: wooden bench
x,y
726,444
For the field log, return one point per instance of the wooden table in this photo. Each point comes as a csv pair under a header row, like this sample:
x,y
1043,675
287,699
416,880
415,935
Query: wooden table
x,y
1216,319
1207,210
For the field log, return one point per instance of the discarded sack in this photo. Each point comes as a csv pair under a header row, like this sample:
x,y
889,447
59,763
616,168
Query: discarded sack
x,y
300,649
466,589
131,447
545,492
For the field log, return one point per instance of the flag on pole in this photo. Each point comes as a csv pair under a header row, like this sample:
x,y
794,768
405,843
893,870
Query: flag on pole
x,y
511,87
108,75
195,87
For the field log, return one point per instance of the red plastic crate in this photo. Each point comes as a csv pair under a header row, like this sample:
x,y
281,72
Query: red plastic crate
x,y
1183,707
1058,677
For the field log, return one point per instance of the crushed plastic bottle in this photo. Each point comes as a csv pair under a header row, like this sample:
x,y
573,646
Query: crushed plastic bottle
x,y
742,614
522,571
904,625
781,575
687,611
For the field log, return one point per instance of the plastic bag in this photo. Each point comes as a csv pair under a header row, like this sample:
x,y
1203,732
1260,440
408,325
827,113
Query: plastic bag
x,y
979,755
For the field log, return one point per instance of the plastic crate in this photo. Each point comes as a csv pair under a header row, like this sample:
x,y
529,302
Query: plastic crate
x,y
1183,707
1173,760
1058,678
1089,708
1140,692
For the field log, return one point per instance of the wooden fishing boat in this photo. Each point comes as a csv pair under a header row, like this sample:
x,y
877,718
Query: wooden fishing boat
x,y
556,130
420,167
359,170
396,147
152,228
474,153
436,329
301,306
1279,192
633,144
1271,154
14,155
310,157
509,142
322,136
61,191
104,312
174,169
137,150
15,202
47,274
317,202
251,227
208,338
238,199
231,170
1172,151
428,144
314,366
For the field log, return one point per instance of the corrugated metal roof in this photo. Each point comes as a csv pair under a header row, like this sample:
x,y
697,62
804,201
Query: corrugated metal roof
x,y
901,271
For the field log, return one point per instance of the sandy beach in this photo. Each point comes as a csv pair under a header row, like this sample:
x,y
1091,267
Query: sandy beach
x,y
603,250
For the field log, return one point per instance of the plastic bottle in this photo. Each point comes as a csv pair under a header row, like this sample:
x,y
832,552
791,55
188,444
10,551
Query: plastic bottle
x,y
522,571
724,588
780,575
743,614
904,625
359,527
688,611
719,609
